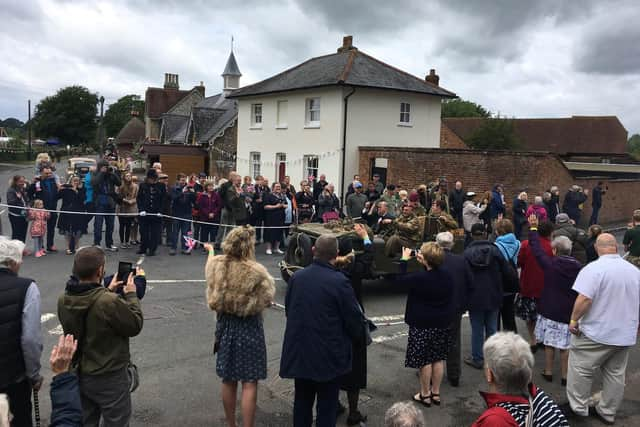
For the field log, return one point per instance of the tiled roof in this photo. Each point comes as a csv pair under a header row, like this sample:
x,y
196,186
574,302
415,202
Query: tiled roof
x,y
347,67
174,128
577,134
212,115
158,101
231,69
131,132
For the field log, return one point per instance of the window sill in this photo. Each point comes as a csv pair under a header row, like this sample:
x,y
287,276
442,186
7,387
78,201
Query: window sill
x,y
312,126
282,127
405,125
255,127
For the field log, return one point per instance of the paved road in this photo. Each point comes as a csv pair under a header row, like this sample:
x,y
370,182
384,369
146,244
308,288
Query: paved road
x,y
174,350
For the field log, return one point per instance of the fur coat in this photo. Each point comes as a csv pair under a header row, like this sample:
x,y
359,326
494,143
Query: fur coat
x,y
240,288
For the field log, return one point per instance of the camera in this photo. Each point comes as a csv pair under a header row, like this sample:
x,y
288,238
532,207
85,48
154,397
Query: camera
x,y
124,269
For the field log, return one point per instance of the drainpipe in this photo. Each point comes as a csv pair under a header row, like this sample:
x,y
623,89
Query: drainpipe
x,y
344,143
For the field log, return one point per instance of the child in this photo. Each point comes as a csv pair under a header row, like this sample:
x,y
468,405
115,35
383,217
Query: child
x,y
38,227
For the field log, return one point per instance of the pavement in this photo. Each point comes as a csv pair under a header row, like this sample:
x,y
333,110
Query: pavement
x,y
178,384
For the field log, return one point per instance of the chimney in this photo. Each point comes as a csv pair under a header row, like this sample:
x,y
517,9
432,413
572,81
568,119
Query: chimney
x,y
347,44
171,81
200,88
432,77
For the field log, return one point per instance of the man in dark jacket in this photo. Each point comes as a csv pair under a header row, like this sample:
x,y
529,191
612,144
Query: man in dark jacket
x,y
318,186
104,184
20,337
45,188
497,205
573,201
226,218
462,282
323,317
183,199
596,201
489,270
551,201
578,237
103,322
456,200
150,197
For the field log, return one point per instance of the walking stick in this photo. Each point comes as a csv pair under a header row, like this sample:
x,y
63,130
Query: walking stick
x,y
36,407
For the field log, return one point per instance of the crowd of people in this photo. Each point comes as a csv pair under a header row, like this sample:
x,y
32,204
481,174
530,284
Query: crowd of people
x,y
532,261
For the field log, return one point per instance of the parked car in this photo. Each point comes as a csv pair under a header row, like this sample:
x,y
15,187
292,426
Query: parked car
x,y
79,166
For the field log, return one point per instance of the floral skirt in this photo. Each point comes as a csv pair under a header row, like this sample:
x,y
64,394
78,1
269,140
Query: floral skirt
x,y
426,346
526,308
553,334
242,353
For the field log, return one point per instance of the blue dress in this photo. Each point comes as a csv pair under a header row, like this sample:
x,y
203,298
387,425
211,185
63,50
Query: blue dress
x,y
242,352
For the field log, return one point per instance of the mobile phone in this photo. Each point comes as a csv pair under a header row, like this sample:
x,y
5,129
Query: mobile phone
x,y
124,269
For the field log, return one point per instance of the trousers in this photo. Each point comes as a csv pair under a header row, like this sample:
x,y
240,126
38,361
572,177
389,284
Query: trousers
x,y
51,229
484,323
454,356
585,358
150,233
19,226
106,396
109,220
508,314
180,229
306,392
226,218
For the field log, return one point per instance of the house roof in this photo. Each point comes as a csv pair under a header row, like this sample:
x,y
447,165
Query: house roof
x,y
212,115
158,101
349,67
231,69
174,127
577,134
131,132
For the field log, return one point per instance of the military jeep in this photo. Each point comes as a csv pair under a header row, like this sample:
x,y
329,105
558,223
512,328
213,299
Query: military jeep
x,y
302,237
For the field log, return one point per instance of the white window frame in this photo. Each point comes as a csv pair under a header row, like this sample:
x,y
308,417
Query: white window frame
x,y
255,163
309,123
282,118
308,167
405,114
257,116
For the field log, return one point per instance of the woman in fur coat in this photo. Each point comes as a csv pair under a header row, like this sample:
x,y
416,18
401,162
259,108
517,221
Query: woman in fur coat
x,y
238,290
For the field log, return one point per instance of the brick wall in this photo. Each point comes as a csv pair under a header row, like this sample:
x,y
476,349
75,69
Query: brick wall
x,y
479,171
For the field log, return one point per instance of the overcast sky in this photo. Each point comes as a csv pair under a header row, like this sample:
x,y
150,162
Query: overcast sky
x,y
521,58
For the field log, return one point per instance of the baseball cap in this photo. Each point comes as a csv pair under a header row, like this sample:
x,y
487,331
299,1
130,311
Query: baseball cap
x,y
357,184
562,218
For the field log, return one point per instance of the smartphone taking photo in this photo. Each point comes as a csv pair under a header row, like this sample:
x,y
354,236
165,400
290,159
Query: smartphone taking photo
x,y
124,269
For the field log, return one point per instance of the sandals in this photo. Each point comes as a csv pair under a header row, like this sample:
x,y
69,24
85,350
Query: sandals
x,y
433,399
423,400
547,377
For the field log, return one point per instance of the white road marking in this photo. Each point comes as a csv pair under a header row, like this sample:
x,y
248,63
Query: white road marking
x,y
385,338
389,318
56,331
46,317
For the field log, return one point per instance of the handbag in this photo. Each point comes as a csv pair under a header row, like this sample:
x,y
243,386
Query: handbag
x,y
510,279
330,216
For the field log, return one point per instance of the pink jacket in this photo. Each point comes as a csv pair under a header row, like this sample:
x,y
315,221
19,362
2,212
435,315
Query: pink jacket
x,y
539,211
39,223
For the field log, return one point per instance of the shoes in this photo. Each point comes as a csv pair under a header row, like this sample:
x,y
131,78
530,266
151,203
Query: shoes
x,y
356,418
69,252
473,363
279,252
269,252
454,382
151,253
186,253
124,246
547,377
26,252
534,348
341,409
40,253
52,249
593,412
172,252
140,252
134,242
112,248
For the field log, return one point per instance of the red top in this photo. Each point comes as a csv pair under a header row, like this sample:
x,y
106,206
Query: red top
x,y
496,416
531,276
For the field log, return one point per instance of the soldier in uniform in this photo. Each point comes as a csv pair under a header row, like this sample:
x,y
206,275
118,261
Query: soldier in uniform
x,y
438,221
408,232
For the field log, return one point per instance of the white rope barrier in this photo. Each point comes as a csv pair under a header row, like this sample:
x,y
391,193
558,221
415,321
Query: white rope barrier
x,y
139,214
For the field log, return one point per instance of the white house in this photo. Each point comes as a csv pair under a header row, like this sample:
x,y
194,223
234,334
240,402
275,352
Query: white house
x,y
311,119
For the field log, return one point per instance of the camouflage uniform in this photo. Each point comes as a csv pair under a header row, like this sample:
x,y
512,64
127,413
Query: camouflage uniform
x,y
435,225
407,234
419,210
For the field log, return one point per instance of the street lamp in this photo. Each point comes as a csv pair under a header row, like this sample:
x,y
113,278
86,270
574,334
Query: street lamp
x,y
100,135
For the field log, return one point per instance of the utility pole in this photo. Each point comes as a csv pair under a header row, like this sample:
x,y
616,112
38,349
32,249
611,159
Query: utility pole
x,y
100,132
29,129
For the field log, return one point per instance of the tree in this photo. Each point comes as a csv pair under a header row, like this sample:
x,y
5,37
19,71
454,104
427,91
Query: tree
x,y
119,113
11,123
461,108
69,115
494,134
633,145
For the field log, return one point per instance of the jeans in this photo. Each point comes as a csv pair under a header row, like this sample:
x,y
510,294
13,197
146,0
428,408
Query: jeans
x,y
37,243
106,396
97,225
180,229
19,226
326,409
19,395
594,215
208,233
125,228
51,229
484,323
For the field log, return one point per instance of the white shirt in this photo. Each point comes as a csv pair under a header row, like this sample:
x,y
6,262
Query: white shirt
x,y
613,285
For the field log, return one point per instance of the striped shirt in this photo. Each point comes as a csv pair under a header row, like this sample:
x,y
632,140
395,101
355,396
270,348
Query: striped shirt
x,y
545,412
